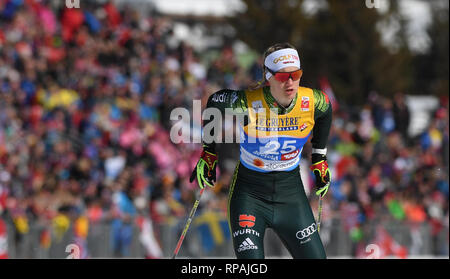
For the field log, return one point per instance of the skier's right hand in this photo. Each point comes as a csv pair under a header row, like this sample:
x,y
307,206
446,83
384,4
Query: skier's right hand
x,y
322,172
205,170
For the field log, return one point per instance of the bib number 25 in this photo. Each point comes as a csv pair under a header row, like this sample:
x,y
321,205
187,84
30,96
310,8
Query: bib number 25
x,y
274,147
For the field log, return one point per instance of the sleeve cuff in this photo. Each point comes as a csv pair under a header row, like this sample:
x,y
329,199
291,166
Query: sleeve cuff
x,y
319,151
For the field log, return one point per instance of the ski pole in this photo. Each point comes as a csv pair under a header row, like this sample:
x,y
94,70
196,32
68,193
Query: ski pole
x,y
320,213
188,223
319,218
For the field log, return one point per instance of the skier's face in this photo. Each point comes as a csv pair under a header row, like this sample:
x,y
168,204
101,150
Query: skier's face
x,y
285,92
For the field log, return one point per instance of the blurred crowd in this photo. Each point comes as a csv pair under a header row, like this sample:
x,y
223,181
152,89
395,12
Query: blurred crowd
x,y
86,96
383,174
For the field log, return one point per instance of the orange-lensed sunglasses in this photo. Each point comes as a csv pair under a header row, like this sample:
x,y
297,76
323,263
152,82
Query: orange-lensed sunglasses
x,y
284,76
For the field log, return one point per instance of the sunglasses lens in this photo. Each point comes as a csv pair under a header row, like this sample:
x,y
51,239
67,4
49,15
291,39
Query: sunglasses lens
x,y
283,77
296,75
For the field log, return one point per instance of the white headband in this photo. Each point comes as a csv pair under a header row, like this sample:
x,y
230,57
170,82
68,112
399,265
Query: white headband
x,y
280,59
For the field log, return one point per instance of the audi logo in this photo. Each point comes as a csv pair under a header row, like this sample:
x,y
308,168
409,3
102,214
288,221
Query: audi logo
x,y
306,231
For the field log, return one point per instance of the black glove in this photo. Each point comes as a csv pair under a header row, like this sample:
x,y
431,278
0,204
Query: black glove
x,y
322,172
205,170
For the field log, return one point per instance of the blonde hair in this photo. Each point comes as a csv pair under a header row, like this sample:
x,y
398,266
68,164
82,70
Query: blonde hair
x,y
261,83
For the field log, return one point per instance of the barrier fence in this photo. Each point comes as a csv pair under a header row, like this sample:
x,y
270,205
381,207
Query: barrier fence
x,y
419,242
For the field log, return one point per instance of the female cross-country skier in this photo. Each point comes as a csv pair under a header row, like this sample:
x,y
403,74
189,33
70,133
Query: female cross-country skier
x,y
266,189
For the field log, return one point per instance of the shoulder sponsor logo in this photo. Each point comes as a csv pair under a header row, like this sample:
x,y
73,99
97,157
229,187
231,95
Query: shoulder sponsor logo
x,y
247,244
234,97
219,98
